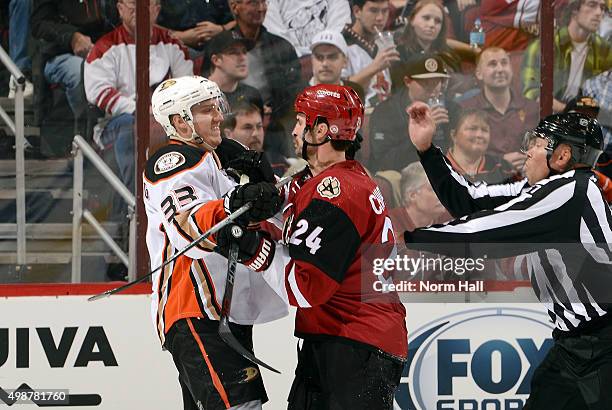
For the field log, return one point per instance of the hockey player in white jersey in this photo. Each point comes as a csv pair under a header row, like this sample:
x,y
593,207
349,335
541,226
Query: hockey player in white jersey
x,y
186,193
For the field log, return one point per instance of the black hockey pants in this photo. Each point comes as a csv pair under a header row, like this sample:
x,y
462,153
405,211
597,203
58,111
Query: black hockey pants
x,y
335,375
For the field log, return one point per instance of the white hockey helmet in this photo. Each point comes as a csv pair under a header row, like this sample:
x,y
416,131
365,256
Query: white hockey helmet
x,y
178,96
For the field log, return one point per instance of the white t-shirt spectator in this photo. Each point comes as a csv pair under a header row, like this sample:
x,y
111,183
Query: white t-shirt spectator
x,y
297,21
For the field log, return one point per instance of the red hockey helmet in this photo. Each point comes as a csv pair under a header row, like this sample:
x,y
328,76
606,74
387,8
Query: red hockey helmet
x,y
338,105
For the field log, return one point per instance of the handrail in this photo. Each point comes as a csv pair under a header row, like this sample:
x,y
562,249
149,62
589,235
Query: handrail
x,y
82,149
104,169
20,143
10,65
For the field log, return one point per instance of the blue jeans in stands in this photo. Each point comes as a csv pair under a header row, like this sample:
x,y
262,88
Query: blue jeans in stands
x,y
118,134
66,70
19,31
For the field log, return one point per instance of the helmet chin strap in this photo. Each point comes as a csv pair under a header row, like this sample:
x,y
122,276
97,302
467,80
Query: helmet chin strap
x,y
305,144
194,136
200,141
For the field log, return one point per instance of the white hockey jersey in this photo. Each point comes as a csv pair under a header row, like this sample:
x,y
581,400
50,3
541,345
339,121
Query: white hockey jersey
x,y
110,68
182,190
299,21
362,54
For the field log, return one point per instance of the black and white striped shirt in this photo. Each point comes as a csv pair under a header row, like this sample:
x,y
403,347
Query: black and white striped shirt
x,y
563,224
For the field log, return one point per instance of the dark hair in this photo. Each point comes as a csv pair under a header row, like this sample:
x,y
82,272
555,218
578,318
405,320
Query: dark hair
x,y
457,121
338,145
361,3
241,108
341,145
407,38
568,11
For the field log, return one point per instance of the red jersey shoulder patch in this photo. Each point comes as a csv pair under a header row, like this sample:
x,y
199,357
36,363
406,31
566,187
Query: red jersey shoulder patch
x,y
329,187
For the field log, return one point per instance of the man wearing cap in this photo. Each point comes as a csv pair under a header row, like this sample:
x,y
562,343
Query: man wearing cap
x,y
329,58
229,65
274,69
424,80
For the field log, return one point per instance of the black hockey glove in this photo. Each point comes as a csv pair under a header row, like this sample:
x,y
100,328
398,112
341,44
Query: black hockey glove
x,y
265,197
255,248
254,164
355,146
228,150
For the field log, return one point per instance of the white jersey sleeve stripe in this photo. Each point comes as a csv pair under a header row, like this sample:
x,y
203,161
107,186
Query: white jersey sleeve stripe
x,y
299,297
505,217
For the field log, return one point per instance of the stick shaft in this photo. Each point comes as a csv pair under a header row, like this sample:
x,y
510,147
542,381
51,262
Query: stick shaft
x,y
216,228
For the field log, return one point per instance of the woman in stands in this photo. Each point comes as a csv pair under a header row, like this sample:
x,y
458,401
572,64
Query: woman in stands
x,y
470,136
425,32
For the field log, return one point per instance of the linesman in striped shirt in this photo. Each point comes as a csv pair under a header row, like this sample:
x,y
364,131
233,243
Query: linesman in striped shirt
x,y
559,218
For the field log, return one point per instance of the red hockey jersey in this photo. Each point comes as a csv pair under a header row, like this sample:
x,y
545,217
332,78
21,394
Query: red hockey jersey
x,y
335,225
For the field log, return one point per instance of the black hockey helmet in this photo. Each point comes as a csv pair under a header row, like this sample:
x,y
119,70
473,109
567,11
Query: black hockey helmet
x,y
578,130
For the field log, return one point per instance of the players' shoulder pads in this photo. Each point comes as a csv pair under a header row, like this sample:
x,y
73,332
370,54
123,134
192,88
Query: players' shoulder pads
x,y
172,159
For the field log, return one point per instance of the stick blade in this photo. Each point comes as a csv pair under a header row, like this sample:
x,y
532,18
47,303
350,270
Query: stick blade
x,y
99,296
228,337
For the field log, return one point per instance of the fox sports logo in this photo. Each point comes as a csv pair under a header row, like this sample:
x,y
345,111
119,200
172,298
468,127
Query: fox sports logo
x,y
478,359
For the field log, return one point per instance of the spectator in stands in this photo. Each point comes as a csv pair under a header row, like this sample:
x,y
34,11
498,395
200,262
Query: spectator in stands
x,y
511,25
510,115
298,21
110,79
368,66
329,58
579,53
420,205
600,89
390,147
67,30
245,125
470,136
605,29
425,32
196,22
19,32
228,53
274,69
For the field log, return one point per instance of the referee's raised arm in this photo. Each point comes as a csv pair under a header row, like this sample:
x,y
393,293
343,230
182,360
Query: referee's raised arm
x,y
458,195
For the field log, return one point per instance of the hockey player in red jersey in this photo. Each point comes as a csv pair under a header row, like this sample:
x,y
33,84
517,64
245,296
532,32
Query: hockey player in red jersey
x,y
185,194
353,349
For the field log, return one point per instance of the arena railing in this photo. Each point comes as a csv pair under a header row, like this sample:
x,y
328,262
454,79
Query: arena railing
x,y
80,150
17,127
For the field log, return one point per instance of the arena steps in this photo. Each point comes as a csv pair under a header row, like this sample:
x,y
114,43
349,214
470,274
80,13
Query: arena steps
x,y
8,104
49,197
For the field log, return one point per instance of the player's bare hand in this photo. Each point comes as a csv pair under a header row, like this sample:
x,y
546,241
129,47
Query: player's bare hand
x,y
516,159
421,126
385,58
439,114
208,30
188,37
81,44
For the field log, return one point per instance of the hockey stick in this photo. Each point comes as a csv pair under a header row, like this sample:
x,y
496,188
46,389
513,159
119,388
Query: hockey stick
x,y
230,218
224,330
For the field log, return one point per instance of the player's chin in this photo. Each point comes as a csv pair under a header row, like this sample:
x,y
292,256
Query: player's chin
x,y
215,136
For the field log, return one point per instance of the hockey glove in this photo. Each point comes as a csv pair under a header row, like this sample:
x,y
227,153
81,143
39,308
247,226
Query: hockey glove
x,y
255,248
254,164
228,150
355,146
264,196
